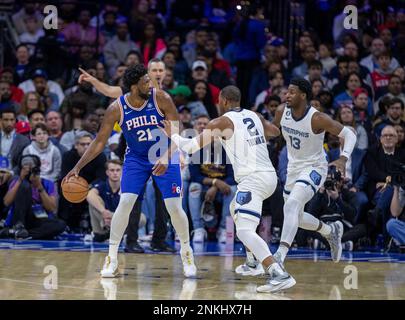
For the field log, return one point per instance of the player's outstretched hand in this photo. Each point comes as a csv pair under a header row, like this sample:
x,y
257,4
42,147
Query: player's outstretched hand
x,y
159,168
166,127
85,76
71,173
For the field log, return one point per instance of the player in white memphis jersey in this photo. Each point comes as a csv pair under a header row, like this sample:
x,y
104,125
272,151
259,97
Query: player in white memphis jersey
x,y
303,128
243,134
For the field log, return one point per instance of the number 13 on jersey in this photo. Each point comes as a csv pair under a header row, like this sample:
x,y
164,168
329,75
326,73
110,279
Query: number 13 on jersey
x,y
295,142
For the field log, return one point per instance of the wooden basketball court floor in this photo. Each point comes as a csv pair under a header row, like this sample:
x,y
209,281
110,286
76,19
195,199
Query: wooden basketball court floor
x,y
36,271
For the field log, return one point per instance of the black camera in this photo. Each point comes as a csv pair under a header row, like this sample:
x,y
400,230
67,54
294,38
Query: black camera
x,y
35,171
334,176
396,170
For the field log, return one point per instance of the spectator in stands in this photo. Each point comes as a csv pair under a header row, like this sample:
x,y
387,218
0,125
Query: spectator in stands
x,y
211,46
90,124
24,128
74,214
7,75
345,116
29,9
185,116
12,143
169,83
50,156
35,117
211,179
150,45
317,86
269,106
23,68
396,225
325,57
133,58
81,33
395,88
46,88
6,174
201,100
377,162
116,50
109,27
216,76
338,74
315,72
191,50
401,136
395,112
180,68
371,61
32,202
53,120
276,79
380,76
308,55
32,101
5,97
33,33
103,199
200,72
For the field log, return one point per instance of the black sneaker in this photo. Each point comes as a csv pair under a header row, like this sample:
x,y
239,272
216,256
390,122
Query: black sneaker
x,y
161,247
5,233
100,237
133,247
20,232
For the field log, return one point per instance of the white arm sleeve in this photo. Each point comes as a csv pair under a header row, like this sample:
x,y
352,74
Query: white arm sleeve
x,y
350,141
187,145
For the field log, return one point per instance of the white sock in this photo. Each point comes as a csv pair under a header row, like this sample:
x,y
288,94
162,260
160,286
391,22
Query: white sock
x,y
274,266
325,229
283,250
119,222
179,222
250,258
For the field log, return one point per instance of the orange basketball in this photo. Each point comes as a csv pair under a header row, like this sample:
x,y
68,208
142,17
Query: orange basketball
x,y
75,190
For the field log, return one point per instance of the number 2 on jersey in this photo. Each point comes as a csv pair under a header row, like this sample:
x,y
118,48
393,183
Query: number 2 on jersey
x,y
251,126
142,135
295,142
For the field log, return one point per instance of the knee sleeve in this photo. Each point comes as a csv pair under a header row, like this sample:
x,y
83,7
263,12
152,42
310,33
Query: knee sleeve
x,y
248,205
246,232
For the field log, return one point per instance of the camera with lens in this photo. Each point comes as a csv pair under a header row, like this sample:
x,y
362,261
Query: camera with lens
x,y
34,162
334,177
396,170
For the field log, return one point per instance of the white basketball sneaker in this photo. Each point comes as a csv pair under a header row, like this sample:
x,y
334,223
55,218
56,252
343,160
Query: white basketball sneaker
x,y
249,269
110,268
189,268
278,280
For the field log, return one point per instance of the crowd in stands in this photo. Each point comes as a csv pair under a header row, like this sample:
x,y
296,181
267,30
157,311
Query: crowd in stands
x,y
48,119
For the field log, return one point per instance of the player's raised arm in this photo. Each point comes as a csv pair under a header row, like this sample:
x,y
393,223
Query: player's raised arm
x,y
105,89
279,113
221,127
112,115
322,122
270,130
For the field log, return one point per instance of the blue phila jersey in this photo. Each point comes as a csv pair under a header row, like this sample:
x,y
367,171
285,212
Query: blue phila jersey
x,y
139,127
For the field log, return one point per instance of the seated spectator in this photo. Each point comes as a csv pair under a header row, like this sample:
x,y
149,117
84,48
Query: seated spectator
x,y
396,225
33,33
5,97
103,199
360,111
32,202
275,80
377,162
394,114
24,128
116,50
12,143
216,76
315,72
24,68
269,106
211,46
334,202
380,76
7,75
179,67
150,45
46,151
355,177
133,58
345,116
371,61
29,9
47,89
89,124
74,214
338,74
317,86
180,95
210,179
395,90
32,101
6,174
200,72
401,136
35,117
325,57
168,82
326,99
191,50
201,102
353,82
308,55
53,121
108,28
185,116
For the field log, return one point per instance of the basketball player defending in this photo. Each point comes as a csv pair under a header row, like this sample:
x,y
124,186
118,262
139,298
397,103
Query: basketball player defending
x,y
303,129
138,113
243,135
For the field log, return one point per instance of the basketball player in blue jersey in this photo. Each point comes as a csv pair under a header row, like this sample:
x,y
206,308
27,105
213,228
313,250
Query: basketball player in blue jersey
x,y
138,113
